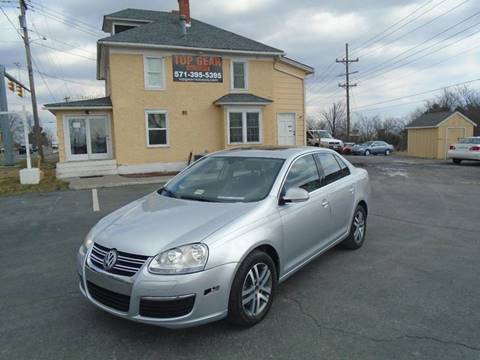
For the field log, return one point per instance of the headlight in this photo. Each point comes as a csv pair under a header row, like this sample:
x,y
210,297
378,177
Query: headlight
x,y
87,244
181,260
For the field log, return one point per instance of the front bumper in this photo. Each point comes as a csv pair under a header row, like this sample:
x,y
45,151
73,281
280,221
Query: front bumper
x,y
210,290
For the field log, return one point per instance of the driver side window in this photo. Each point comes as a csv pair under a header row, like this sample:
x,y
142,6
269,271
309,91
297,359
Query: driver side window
x,y
303,174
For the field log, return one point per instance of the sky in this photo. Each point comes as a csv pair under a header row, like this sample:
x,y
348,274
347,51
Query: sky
x,y
405,48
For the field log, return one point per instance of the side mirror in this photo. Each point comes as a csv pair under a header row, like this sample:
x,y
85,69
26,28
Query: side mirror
x,y
295,195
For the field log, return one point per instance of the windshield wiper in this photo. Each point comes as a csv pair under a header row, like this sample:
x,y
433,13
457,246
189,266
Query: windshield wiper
x,y
164,190
195,198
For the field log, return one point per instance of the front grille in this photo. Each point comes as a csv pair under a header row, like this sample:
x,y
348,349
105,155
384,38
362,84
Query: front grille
x,y
126,265
166,308
109,298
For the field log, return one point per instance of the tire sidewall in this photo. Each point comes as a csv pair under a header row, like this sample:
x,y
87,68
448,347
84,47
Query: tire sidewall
x,y
236,312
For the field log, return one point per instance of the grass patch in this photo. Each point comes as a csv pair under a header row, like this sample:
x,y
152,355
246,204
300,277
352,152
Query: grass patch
x,y
10,179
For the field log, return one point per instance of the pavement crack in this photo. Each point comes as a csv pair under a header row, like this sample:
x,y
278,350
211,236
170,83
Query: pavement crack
x,y
321,326
424,225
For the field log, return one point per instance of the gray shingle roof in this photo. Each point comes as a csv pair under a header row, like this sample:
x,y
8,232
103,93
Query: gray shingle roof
x,y
243,98
98,102
430,119
164,29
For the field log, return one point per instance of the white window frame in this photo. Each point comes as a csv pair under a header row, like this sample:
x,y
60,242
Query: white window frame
x,y
147,129
146,71
232,83
244,112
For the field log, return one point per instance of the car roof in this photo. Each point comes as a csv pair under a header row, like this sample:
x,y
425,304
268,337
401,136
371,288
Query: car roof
x,y
276,152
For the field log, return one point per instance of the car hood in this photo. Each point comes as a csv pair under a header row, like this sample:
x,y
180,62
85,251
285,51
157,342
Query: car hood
x,y
156,223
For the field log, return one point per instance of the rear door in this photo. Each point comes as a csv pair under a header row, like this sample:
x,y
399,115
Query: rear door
x,y
340,186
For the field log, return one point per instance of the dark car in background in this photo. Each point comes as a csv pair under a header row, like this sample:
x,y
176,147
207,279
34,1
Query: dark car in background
x,y
373,148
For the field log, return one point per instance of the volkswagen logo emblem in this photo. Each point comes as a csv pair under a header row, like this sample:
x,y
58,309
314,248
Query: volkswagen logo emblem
x,y
110,259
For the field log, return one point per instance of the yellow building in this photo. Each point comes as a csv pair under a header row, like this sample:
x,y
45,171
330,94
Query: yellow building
x,y
177,87
431,135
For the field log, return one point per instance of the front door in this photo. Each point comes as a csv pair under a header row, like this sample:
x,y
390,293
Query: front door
x,y
305,224
87,138
286,128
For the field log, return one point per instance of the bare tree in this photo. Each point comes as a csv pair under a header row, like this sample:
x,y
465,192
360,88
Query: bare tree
x,y
335,118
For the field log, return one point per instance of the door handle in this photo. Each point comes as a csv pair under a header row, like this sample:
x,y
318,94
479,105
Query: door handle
x,y
325,203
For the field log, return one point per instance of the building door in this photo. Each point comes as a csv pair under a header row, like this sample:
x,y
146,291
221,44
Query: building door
x,y
87,138
286,129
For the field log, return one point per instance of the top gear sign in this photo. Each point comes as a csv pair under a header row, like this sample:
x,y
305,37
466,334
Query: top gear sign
x,y
197,68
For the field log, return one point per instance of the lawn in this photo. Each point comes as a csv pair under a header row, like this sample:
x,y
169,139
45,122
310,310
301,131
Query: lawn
x,y
10,180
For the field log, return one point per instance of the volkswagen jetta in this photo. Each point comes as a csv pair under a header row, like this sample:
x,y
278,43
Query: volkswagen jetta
x,y
217,239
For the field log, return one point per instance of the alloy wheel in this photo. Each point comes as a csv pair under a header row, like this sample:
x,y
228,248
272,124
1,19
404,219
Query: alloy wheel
x,y
257,289
359,227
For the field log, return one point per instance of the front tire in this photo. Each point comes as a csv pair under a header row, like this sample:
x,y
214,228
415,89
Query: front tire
x,y
367,152
457,161
252,291
358,230
387,152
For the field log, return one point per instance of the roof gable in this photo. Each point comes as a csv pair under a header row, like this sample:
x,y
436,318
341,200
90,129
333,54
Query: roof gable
x,y
163,29
435,119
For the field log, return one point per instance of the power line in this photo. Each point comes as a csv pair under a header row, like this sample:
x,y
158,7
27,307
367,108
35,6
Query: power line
x,y
386,64
424,55
392,106
43,79
54,12
11,23
429,66
64,51
417,28
362,45
69,23
417,94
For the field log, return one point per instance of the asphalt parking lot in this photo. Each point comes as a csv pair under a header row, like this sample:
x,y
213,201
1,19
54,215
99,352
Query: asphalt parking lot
x,y
412,291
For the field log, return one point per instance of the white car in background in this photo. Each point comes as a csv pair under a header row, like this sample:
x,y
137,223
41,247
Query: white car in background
x,y
465,149
322,138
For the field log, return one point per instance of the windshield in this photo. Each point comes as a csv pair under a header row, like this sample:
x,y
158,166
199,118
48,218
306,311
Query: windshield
x,y
324,134
469,141
225,179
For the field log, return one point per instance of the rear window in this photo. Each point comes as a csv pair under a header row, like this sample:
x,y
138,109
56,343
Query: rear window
x,y
469,141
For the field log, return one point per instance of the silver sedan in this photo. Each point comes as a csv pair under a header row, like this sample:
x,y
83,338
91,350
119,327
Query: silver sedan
x,y
217,239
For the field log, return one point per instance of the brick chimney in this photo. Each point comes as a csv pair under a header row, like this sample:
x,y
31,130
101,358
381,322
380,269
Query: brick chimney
x,y
184,10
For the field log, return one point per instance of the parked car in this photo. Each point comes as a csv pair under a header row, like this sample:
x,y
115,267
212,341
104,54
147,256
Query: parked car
x,y
465,149
322,138
218,238
373,147
347,148
23,149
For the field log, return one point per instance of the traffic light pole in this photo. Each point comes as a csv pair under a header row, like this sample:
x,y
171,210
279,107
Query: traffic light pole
x,y
26,40
8,158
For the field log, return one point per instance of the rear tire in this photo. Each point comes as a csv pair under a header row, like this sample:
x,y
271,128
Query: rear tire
x,y
358,230
367,152
457,161
253,289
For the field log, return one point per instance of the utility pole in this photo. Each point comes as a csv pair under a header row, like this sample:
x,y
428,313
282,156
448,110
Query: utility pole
x,y
347,84
36,128
8,158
